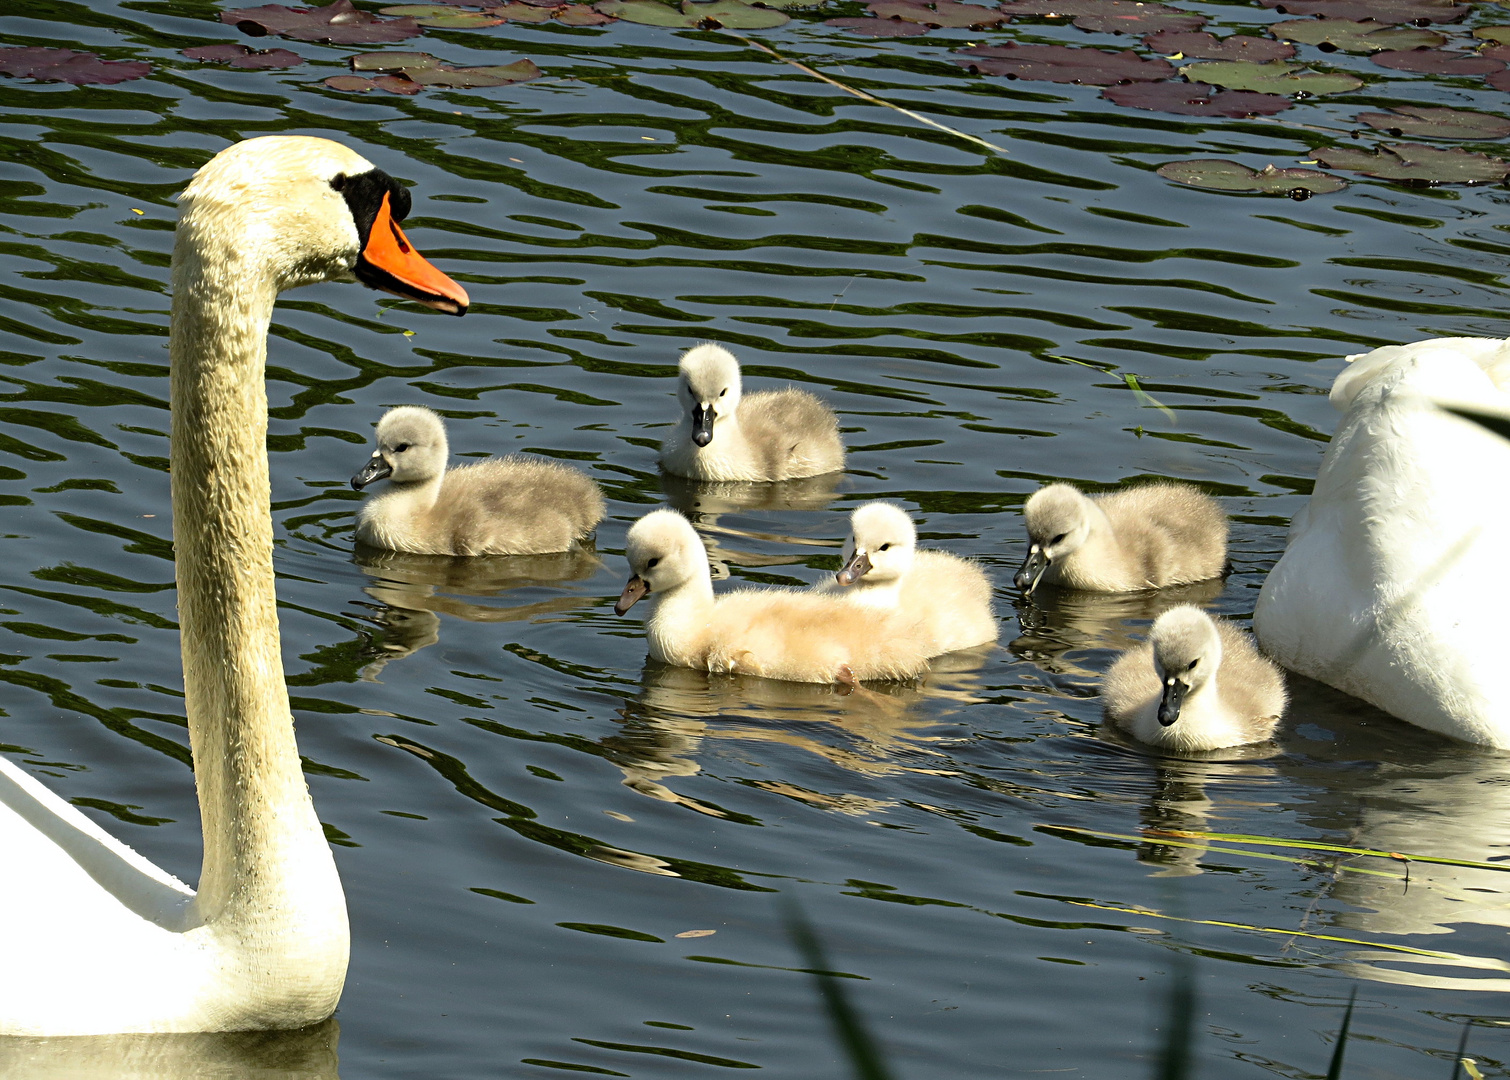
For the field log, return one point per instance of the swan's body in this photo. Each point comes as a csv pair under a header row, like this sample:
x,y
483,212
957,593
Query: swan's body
x,y
1390,586
884,570
794,635
1198,683
724,434
1143,538
501,506
98,940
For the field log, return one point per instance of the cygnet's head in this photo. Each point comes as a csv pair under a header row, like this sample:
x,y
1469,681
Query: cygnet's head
x,y
880,547
1187,650
411,448
708,388
1059,522
664,551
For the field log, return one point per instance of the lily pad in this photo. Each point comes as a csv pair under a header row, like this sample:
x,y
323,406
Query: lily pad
x,y
65,65
582,15
238,55
944,14
1203,46
733,15
1499,34
523,13
441,17
1383,11
1063,64
1500,80
1438,62
1223,175
359,84
1415,163
1423,123
421,69
391,61
646,13
1109,16
1275,77
1195,99
880,27
1330,35
339,23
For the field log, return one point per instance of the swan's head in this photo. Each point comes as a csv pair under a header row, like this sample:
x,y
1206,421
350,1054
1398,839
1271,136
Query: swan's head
x,y
1059,522
310,210
708,388
411,448
663,552
1186,652
880,545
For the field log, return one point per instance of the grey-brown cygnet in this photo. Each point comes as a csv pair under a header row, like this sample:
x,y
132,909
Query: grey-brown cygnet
x,y
501,506
1198,683
1143,538
724,434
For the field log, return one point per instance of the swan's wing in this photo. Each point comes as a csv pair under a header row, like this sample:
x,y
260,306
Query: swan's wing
x,y
1470,369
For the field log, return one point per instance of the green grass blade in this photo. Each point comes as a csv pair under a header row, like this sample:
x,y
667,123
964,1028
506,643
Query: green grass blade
x,y
1334,1071
860,1048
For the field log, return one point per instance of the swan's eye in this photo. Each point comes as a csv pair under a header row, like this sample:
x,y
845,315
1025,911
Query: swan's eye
x,y
724,391
1193,663
1058,540
400,448
651,565
884,547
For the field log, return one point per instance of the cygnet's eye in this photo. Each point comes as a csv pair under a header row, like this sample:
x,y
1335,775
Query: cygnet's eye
x,y
400,448
651,565
884,547
1058,540
724,391
1193,663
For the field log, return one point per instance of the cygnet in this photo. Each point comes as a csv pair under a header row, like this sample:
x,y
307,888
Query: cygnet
x,y
500,506
789,634
1198,683
884,570
1143,538
725,435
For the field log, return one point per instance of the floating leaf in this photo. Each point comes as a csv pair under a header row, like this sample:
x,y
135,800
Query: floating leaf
x,y
1438,62
1384,11
65,65
733,15
391,61
473,78
1416,163
523,13
1233,176
1423,123
582,15
1500,80
1195,99
946,13
358,84
1063,64
646,13
1275,77
1109,16
1500,34
880,27
1356,37
440,17
238,55
1203,46
339,23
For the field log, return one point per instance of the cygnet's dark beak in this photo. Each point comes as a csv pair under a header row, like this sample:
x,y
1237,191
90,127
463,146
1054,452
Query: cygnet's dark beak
x,y
633,593
702,424
852,571
1173,698
1031,571
375,469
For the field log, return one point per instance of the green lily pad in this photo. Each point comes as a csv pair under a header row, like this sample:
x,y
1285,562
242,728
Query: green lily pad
x,y
1499,34
733,15
391,61
1418,12
1347,35
647,13
1415,163
1221,175
582,15
1423,123
442,17
1275,77
523,13
473,78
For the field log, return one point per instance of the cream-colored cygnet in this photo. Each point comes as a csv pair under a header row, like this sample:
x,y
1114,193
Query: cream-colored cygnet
x,y
790,634
500,506
1143,538
723,434
884,570
1198,683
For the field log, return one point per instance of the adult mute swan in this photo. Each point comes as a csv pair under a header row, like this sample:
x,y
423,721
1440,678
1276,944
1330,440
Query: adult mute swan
x,y
1389,585
97,939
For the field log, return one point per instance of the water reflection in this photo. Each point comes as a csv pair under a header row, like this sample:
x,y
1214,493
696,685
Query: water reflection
x,y
704,503
413,591
308,1054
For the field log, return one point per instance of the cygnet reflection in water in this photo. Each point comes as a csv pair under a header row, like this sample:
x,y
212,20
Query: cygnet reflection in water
x,y
1197,793
306,1054
413,591
706,502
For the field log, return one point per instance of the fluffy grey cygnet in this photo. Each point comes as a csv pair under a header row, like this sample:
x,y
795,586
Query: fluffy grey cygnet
x,y
1198,683
501,506
1143,538
723,434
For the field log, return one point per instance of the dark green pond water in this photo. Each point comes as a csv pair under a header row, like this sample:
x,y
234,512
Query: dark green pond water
x,y
526,816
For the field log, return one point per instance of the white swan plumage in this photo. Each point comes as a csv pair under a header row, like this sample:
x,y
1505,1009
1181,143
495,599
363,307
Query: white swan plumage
x,y
1389,585
99,940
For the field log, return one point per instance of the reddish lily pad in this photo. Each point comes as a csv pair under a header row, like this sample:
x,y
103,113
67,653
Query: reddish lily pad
x,y
1438,62
441,17
582,15
646,13
358,84
65,65
1195,99
1413,162
1422,123
422,69
945,13
1204,46
1383,11
1223,175
880,27
523,13
1275,77
1063,64
1330,35
1109,16
238,55
339,23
